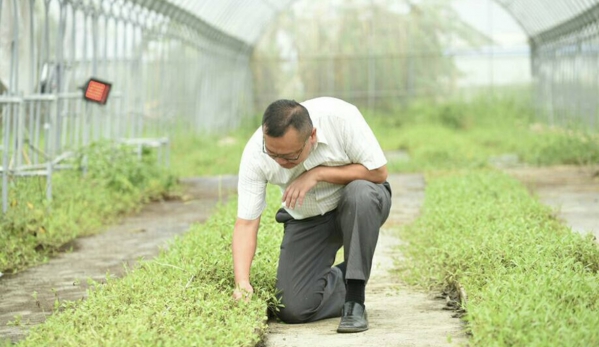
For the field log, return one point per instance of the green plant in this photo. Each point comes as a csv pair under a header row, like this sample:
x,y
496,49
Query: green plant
x,y
458,134
114,182
530,280
181,298
199,154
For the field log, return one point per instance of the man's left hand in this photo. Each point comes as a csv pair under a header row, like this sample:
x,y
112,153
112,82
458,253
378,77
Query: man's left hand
x,y
296,192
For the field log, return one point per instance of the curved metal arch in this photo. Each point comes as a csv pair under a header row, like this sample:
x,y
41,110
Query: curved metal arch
x,y
542,21
247,19
192,20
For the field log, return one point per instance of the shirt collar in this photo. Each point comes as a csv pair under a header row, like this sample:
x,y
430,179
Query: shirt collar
x,y
311,161
320,137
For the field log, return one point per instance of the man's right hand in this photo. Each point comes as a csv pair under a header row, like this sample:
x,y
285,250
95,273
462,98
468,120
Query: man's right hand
x,y
243,290
245,235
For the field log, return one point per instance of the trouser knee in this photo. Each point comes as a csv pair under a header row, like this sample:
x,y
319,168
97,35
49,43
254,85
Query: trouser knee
x,y
296,311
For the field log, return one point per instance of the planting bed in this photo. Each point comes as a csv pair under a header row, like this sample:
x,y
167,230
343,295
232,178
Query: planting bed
x,y
398,315
140,236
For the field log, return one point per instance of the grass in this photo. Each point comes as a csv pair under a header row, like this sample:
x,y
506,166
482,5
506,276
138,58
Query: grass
x,y
210,154
180,298
114,184
530,280
459,134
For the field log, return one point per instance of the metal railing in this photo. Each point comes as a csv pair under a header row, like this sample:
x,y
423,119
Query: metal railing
x,y
565,63
168,68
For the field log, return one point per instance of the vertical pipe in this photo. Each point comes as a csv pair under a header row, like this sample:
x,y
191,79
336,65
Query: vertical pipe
x,y
126,79
76,136
36,131
57,126
46,46
91,127
33,72
117,80
103,64
94,31
51,153
1,3
14,47
137,76
6,112
14,84
31,45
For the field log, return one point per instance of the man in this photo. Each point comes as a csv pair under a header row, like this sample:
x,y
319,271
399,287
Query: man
x,y
332,173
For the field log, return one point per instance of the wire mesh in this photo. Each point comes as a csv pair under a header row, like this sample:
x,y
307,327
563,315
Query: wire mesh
x,y
169,70
563,40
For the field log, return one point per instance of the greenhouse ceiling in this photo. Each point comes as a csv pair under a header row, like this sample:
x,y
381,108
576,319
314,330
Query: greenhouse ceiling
x,y
246,19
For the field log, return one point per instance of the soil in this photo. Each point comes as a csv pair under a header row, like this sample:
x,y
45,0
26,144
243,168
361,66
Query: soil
x,y
398,315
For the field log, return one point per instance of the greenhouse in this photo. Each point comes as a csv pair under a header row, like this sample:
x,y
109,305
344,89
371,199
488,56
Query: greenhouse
x,y
130,132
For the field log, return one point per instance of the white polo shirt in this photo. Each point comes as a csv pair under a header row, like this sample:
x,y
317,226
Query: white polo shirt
x,y
343,137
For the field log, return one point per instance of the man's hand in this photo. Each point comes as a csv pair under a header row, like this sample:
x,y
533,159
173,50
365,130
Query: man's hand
x,y
297,190
243,291
245,235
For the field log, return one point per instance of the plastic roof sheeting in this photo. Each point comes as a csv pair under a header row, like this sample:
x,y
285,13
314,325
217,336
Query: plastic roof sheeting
x,y
538,16
246,19
243,19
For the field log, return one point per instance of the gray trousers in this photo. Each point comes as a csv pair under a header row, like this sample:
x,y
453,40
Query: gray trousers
x,y
309,287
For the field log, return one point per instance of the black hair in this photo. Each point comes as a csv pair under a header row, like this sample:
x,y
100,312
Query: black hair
x,y
282,114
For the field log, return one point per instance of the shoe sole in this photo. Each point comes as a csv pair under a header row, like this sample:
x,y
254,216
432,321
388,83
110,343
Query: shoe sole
x,y
351,330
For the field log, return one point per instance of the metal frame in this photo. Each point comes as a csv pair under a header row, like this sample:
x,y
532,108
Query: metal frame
x,y
186,63
169,68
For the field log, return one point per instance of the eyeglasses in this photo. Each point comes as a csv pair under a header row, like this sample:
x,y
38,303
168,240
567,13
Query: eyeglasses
x,y
275,156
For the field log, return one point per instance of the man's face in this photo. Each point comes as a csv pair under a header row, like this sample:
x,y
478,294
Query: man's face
x,y
290,149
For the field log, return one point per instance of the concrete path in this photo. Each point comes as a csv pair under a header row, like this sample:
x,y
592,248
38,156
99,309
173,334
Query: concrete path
x,y
571,191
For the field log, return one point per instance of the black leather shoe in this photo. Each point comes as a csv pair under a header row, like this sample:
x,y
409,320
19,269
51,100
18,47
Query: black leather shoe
x,y
353,318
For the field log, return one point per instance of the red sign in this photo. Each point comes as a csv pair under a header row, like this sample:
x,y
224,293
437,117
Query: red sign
x,y
97,91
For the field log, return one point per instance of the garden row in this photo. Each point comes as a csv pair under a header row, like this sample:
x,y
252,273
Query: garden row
x,y
107,182
529,280
180,298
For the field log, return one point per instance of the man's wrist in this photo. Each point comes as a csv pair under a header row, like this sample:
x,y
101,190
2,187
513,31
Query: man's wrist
x,y
242,283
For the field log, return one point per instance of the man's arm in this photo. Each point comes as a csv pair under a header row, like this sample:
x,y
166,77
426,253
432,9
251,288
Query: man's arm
x,y
245,235
349,173
297,190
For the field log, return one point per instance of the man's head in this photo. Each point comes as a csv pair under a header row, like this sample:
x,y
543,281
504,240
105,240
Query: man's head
x,y
288,130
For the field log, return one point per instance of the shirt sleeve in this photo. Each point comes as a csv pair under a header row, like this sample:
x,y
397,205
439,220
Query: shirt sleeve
x,y
251,187
360,144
